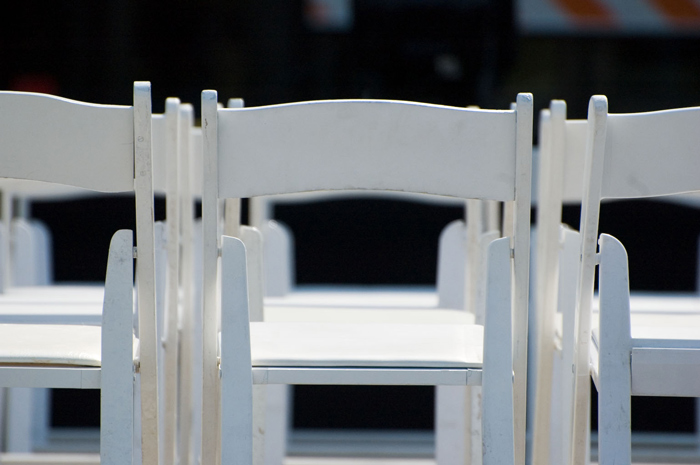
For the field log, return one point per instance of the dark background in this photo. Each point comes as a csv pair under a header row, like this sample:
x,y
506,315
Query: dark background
x,y
456,52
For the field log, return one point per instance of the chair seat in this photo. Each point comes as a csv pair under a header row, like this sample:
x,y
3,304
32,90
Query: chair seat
x,y
312,314
654,314
673,330
80,293
664,302
358,296
52,312
24,344
366,345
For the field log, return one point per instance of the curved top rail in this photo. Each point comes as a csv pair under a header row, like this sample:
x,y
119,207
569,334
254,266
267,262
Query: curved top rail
x,y
70,142
652,154
367,144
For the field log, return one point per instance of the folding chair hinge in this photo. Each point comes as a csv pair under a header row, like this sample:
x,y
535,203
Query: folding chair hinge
x,y
136,253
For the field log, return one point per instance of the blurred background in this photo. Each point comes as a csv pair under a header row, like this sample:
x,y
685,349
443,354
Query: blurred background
x,y
643,54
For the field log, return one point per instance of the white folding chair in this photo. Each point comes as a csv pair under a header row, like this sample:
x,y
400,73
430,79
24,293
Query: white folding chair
x,y
338,139
105,148
454,299
630,156
61,300
562,151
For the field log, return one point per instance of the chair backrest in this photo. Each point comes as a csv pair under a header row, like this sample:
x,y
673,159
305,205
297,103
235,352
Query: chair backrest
x,y
362,144
164,146
106,148
628,156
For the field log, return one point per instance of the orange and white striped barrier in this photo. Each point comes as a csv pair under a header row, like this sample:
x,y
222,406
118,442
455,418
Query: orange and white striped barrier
x,y
653,17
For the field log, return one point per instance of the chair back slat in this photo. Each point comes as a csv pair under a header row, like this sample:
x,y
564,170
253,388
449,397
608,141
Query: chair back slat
x,y
160,152
574,158
39,143
367,145
652,154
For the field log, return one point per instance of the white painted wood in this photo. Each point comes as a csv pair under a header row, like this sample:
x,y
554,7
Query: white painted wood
x,y
187,355
278,422
400,345
197,344
614,346
117,384
259,423
172,291
278,258
41,238
253,241
622,177
210,246
50,377
476,450
593,173
574,161
485,240
159,137
498,390
222,139
19,416
232,217
451,266
633,167
569,261
355,133
546,277
521,264
474,227
452,415
39,142
366,314
49,459
123,135
22,258
27,344
5,250
260,211
665,372
160,230
236,374
145,270
358,297
197,161
368,376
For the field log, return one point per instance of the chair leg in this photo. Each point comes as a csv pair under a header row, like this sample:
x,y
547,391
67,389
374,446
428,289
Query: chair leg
x,y
277,422
236,371
19,420
117,390
259,423
477,452
452,425
615,347
497,382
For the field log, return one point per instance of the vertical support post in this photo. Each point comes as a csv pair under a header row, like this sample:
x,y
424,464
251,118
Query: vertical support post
x,y
590,210
211,412
117,383
185,393
172,298
145,270
521,265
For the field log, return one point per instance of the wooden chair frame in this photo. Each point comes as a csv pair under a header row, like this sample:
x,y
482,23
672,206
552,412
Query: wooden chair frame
x,y
217,137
